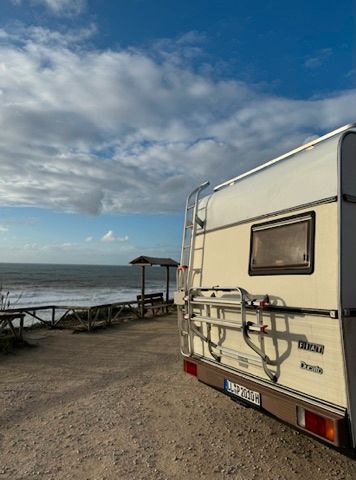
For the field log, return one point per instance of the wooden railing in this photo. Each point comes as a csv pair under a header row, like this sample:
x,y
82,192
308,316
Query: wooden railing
x,y
6,322
88,317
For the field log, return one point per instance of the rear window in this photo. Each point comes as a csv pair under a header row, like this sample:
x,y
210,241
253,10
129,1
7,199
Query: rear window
x,y
283,247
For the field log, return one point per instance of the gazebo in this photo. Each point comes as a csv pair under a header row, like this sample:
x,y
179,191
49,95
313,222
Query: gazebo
x,y
143,261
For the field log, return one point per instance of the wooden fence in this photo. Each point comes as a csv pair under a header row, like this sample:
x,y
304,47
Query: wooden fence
x,y
89,317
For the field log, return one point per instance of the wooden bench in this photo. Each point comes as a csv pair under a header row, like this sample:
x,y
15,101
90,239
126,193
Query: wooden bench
x,y
151,301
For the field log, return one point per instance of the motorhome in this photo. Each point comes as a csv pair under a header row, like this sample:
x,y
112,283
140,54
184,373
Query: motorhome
x,y
267,287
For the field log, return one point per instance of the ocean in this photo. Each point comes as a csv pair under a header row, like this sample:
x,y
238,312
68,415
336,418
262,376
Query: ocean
x,y
32,285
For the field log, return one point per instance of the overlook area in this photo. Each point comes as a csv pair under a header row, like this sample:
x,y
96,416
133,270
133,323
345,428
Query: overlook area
x,y
116,404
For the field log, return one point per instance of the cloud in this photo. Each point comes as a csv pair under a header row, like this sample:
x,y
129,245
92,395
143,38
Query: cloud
x,y
31,246
58,7
110,237
89,239
317,60
128,130
3,229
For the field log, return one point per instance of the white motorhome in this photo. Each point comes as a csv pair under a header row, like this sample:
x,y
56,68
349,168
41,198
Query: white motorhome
x,y
267,287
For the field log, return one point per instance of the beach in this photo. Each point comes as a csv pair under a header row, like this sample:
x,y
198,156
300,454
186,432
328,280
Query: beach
x,y
117,405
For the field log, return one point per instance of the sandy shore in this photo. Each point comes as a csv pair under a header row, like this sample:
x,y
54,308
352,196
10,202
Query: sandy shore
x,y
116,405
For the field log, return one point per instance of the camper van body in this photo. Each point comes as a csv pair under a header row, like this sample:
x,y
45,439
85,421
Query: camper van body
x,y
267,287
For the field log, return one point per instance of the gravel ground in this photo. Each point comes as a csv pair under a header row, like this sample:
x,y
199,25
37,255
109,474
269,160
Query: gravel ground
x,y
117,405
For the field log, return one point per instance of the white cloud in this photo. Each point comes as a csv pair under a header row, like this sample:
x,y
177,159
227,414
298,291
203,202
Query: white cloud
x,y
3,229
58,7
111,237
127,131
31,246
318,59
108,237
89,239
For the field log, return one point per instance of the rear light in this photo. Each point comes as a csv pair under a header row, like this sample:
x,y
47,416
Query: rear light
x,y
190,367
322,426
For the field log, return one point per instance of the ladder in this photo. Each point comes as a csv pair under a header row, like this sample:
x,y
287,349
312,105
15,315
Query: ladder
x,y
191,223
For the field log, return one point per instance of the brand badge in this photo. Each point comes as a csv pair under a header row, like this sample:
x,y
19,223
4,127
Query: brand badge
x,y
311,368
311,347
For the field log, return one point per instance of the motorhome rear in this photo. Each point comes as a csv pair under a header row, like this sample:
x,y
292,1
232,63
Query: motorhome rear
x,y
267,287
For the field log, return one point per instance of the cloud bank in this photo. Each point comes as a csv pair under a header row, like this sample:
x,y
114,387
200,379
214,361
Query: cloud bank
x,y
58,7
128,131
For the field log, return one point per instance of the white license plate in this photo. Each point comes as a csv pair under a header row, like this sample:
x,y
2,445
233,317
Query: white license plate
x,y
242,392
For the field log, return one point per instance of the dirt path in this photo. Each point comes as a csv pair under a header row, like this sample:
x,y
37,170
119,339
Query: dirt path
x,y
116,405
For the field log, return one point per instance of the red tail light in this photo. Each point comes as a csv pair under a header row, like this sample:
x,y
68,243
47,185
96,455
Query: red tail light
x,y
322,426
190,367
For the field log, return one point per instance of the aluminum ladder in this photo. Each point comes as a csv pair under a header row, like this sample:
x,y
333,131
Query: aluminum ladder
x,y
191,223
186,268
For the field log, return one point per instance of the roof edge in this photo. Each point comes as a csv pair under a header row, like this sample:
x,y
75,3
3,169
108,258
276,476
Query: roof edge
x,y
143,260
285,155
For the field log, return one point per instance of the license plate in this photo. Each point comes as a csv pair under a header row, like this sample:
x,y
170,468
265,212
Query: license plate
x,y
242,392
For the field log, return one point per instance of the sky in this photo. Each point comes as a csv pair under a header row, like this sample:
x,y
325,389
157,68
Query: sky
x,y
111,111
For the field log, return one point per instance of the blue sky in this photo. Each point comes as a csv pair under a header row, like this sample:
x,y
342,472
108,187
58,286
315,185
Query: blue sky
x,y
111,111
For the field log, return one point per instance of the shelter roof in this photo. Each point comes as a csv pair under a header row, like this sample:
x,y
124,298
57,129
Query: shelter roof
x,y
163,262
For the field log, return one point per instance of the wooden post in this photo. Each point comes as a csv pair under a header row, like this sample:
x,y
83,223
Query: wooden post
x,y
53,320
143,292
12,328
21,327
167,287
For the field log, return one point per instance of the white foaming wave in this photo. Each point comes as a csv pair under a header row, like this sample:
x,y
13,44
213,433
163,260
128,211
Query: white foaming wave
x,y
79,296
69,297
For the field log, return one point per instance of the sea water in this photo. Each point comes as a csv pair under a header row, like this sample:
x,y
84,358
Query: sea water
x,y
31,285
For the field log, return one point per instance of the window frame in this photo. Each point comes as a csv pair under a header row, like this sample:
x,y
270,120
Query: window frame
x,y
286,270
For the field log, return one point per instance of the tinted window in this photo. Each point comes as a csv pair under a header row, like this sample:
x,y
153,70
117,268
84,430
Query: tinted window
x,y
284,246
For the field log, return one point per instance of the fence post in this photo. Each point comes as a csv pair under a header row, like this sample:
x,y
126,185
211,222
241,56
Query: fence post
x,y
89,319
